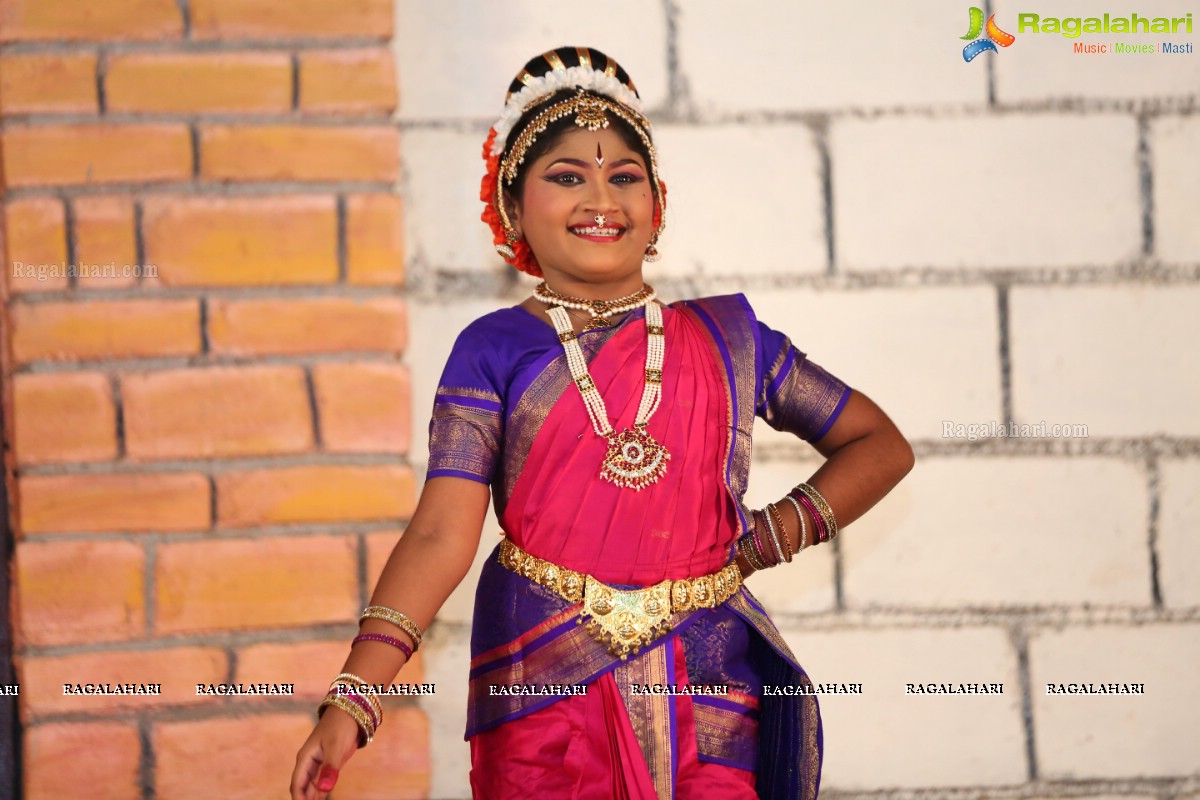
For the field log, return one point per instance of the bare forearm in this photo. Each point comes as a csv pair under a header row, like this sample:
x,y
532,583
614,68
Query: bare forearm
x,y
426,565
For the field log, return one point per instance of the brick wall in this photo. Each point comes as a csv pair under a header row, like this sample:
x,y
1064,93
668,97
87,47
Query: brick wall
x,y
207,460
1013,239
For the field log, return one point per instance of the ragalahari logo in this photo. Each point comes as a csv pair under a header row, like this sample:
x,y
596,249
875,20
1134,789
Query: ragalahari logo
x,y
995,36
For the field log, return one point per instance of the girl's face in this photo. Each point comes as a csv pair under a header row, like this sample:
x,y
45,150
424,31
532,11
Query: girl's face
x,y
583,175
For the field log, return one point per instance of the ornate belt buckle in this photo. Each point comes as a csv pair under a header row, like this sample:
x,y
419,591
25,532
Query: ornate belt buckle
x,y
626,620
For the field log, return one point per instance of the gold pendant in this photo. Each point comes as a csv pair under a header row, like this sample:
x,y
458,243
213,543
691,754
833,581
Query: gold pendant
x,y
634,459
625,620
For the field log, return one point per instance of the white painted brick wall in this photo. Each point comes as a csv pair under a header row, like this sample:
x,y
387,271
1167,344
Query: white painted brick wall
x,y
924,355
1004,532
1044,66
1115,358
930,189
442,226
711,229
807,584
455,60
1179,533
1022,190
1120,736
801,56
1176,168
885,738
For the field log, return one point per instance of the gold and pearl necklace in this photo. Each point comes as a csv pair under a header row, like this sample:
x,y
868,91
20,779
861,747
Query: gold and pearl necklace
x,y
634,459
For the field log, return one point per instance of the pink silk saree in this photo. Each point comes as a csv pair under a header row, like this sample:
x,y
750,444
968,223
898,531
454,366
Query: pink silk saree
x,y
506,413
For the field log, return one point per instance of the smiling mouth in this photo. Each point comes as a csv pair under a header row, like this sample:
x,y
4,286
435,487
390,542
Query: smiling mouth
x,y
596,232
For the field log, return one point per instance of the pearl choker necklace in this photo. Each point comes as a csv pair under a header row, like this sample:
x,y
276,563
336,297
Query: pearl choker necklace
x,y
598,310
634,459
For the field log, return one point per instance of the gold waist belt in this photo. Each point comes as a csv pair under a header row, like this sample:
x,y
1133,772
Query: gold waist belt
x,y
624,619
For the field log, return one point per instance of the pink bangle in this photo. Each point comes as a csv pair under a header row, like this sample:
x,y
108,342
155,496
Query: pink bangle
x,y
383,637
822,532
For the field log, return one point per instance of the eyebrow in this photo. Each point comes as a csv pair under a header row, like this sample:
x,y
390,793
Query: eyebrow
x,y
579,163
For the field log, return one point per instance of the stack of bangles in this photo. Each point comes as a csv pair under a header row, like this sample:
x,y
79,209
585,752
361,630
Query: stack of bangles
x,y
767,544
356,696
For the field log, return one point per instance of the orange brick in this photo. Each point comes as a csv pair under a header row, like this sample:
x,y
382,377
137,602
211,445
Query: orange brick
x,y
396,765
363,407
307,325
348,82
217,412
298,153
240,758
104,757
105,236
374,239
174,501
105,329
37,244
257,19
326,493
309,665
23,20
237,584
242,241
61,155
48,83
79,591
41,403
190,83
177,669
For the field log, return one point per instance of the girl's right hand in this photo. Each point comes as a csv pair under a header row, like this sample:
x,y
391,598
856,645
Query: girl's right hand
x,y
321,758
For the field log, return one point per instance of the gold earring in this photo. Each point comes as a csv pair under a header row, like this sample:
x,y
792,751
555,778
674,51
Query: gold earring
x,y
506,249
652,253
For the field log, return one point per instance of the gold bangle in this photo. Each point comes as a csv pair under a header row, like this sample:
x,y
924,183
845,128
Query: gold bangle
x,y
357,681
365,729
393,616
785,543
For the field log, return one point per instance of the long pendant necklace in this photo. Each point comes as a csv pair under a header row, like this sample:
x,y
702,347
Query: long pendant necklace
x,y
634,459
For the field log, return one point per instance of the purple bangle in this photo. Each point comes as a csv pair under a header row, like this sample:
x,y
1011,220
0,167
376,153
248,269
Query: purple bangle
x,y
818,521
383,637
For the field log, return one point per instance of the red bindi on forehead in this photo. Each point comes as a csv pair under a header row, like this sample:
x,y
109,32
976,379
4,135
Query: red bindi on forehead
x,y
599,156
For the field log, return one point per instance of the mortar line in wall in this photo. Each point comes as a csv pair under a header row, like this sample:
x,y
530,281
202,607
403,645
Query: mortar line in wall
x,y
194,138
232,666
148,587
139,240
205,344
212,501
72,240
314,410
114,387
1146,184
678,95
185,15
1002,312
821,135
364,590
341,238
1020,639
1154,486
101,78
295,82
147,766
